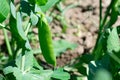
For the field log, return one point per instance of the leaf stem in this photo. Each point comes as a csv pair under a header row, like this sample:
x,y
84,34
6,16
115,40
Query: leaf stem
x,y
112,55
105,17
7,43
3,26
27,29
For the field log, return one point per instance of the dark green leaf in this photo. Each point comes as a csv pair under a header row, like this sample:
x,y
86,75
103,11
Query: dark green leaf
x,y
25,7
32,1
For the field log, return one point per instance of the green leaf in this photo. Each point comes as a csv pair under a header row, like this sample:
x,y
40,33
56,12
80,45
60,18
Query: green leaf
x,y
25,70
48,5
32,74
17,30
4,10
113,42
46,74
25,62
8,70
42,74
60,74
102,74
31,77
17,73
13,10
19,27
36,65
34,19
62,45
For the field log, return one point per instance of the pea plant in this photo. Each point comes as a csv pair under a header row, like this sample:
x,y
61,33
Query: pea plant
x,y
18,18
107,48
104,61
22,65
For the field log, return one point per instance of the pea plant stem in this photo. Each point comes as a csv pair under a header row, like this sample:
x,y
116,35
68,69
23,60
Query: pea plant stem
x,y
7,42
104,24
101,27
103,21
100,8
112,55
3,26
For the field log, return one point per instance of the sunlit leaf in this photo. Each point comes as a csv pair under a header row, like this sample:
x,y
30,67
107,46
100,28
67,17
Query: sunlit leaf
x,y
25,62
60,74
34,19
113,42
4,10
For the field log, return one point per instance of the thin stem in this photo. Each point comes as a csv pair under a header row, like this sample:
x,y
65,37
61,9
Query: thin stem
x,y
3,26
7,42
100,8
101,33
112,55
105,17
18,52
27,29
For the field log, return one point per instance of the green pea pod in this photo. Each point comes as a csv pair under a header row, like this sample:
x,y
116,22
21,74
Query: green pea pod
x,y
41,2
45,39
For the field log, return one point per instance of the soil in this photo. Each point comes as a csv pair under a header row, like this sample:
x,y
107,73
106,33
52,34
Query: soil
x,y
82,28
83,23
